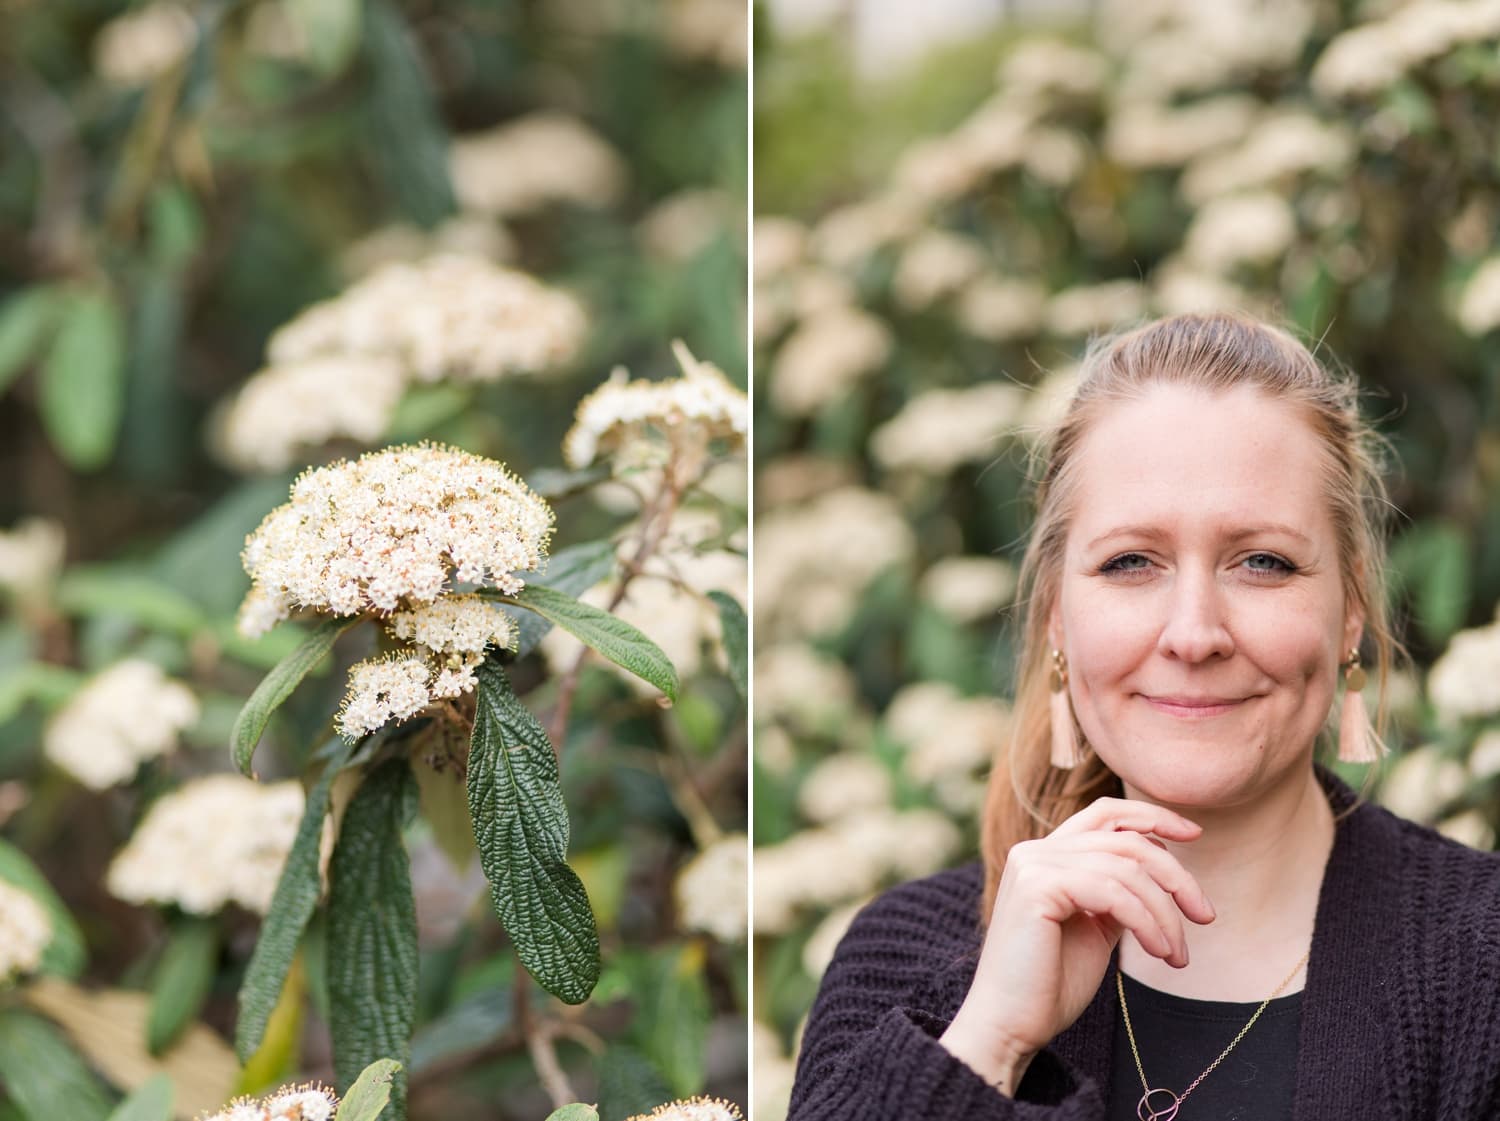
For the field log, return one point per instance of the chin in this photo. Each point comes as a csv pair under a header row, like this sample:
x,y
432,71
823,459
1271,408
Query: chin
x,y
1188,773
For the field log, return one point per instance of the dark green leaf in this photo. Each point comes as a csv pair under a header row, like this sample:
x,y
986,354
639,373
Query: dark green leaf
x,y
577,1111
65,954
151,1102
372,932
370,1093
142,599
277,686
521,826
24,323
292,906
43,1075
672,1014
628,1084
183,978
82,392
610,635
735,630
572,571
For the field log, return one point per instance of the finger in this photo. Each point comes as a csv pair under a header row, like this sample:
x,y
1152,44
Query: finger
x,y
1164,910
1113,814
1160,864
1098,894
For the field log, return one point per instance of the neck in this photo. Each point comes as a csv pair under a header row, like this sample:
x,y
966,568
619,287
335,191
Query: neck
x,y
1261,863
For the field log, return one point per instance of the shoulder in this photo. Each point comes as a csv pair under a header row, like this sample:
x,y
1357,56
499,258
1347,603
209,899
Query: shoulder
x,y
1435,873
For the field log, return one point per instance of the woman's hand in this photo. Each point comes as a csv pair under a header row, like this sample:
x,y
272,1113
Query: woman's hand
x,y
1063,903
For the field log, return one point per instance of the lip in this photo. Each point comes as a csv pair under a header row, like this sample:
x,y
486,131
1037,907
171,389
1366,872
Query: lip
x,y
1193,708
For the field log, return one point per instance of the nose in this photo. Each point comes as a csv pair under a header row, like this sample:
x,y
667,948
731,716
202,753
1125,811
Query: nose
x,y
1196,627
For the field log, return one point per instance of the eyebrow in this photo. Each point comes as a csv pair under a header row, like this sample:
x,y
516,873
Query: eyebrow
x,y
1150,531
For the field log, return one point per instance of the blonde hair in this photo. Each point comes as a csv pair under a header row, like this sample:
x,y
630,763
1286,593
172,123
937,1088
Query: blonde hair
x,y
1027,796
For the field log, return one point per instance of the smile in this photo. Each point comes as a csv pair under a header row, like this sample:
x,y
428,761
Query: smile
x,y
1194,708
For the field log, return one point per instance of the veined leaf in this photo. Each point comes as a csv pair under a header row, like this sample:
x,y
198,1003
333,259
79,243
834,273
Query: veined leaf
x,y
521,826
25,321
81,394
183,978
572,571
370,1092
65,954
372,932
292,905
735,635
43,1075
277,686
612,636
152,1102
277,1056
577,1111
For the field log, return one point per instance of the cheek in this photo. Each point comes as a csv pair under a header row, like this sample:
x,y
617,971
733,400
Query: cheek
x,y
1108,635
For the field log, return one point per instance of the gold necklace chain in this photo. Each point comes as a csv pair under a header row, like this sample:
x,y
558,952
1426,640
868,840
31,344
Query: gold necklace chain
x,y
1143,1109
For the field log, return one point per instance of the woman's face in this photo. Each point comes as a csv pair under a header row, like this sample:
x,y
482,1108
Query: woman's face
x,y
1202,606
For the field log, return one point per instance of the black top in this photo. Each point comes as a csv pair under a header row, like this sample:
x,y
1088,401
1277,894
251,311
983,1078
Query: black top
x,y
1400,1015
1179,1037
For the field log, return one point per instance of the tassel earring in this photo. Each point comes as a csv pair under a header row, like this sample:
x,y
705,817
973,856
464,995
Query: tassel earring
x,y
1357,740
1065,752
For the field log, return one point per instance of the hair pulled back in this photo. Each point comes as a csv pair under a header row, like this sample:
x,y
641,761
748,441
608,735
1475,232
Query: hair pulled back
x,y
1027,796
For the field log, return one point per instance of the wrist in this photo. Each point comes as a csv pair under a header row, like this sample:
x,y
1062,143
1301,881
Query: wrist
x,y
992,1055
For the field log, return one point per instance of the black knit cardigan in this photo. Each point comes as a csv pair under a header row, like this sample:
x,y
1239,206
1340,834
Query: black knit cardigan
x,y
1400,1014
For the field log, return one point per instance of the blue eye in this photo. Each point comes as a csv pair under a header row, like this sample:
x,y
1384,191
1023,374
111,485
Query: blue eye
x,y
1268,563
1126,562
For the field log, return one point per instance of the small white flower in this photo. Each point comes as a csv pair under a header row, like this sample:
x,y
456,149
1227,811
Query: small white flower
x,y
464,624
134,48
215,840
526,164
943,428
692,1109
389,531
712,890
969,589
382,690
310,1102
128,713
31,555
25,931
1465,680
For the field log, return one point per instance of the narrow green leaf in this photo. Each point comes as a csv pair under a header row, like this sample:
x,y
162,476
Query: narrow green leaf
x,y
613,637
735,635
521,826
672,1014
25,321
370,1093
65,954
183,978
82,391
577,1111
572,571
277,686
141,598
152,1101
43,1075
628,1084
292,905
372,932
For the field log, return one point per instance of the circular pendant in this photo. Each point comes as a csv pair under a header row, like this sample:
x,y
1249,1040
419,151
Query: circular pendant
x,y
1148,1112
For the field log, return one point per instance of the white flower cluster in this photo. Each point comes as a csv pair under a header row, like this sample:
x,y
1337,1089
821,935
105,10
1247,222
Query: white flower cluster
x,y
527,164
1479,305
712,888
1282,145
692,1109
25,931
632,418
1147,133
1371,57
449,316
140,45
969,589
1254,229
832,864
216,840
681,225
844,783
465,235
711,30
812,562
796,684
825,357
386,531
124,715
1465,680
293,1103
943,428
951,740
30,556
996,308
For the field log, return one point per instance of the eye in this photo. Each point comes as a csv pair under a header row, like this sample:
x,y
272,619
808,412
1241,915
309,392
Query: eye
x,y
1268,564
1126,562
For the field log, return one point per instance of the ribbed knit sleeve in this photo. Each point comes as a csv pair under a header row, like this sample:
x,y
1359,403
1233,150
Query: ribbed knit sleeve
x,y
870,1049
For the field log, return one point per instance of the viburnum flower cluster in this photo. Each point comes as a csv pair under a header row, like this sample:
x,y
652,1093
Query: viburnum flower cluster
x,y
310,1102
216,840
693,1109
389,535
636,420
25,930
127,714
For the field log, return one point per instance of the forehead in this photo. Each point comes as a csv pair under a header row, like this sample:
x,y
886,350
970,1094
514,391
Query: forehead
x,y
1185,458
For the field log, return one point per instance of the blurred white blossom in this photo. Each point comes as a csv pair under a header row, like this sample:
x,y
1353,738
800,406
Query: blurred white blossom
x,y
1423,781
1148,134
943,428
25,931
713,889
1479,305
1087,308
1282,144
800,686
825,357
999,308
824,940
845,237
1484,756
216,840
679,227
124,715
1373,56
465,235
142,44
715,31
776,245
935,264
1465,680
1254,229
31,555
1469,828
969,589
772,1073
1041,65
842,784
526,164
946,734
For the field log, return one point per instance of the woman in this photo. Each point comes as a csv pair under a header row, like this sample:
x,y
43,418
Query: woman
x,y
1178,915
